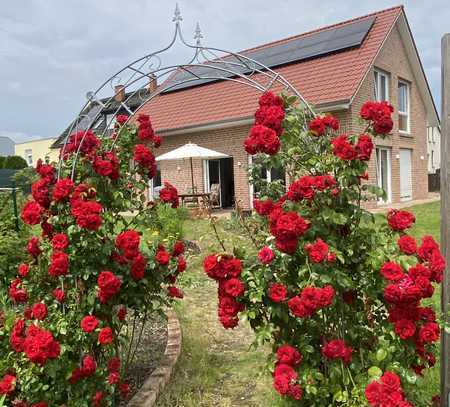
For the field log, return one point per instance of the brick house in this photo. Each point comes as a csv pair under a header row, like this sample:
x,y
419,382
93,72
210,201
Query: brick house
x,y
385,65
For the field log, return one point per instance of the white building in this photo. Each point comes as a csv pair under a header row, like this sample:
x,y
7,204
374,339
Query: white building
x,y
434,149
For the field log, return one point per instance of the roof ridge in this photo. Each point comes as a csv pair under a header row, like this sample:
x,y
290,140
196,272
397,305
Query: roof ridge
x,y
316,30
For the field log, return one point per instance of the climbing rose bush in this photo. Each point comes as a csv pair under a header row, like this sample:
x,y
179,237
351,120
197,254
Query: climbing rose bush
x,y
65,338
339,295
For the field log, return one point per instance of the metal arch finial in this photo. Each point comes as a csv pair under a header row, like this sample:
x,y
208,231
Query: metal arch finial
x,y
198,34
177,15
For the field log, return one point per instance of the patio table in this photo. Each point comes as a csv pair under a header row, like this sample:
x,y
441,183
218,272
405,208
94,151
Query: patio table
x,y
203,196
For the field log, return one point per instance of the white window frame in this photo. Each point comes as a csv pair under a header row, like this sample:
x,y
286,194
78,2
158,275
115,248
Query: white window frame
x,y
406,114
377,84
29,156
389,178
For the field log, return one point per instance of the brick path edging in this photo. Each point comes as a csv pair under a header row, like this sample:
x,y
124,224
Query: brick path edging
x,y
154,384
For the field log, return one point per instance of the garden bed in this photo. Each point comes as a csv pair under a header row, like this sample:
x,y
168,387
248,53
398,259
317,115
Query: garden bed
x,y
148,354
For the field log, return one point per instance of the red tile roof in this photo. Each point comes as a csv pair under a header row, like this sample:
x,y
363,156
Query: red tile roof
x,y
327,79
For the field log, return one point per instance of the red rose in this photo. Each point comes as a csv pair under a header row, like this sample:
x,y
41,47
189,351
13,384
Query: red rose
x,y
88,366
105,336
282,369
59,265
60,241
303,188
33,247
266,255
39,345
169,194
429,332
343,149
271,117
41,193
295,391
174,292
317,126
427,248
39,311
178,248
233,287
262,139
62,189
17,294
137,270
277,292
331,122
97,398
84,141
383,125
407,244
143,156
269,99
114,365
23,270
45,171
364,147
281,384
107,165
337,349
89,323
317,251
8,384
288,355
162,257
392,271
181,264
31,213
400,220
124,389
87,214
108,284
128,242
121,118
405,328
114,378
59,294
121,313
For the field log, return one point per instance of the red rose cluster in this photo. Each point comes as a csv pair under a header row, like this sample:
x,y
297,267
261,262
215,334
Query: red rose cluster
x,y
264,134
16,292
345,150
177,253
320,124
59,265
107,165
318,252
145,158
379,115
86,212
406,290
287,227
386,392
84,142
37,343
169,194
337,349
284,376
307,186
226,270
146,132
310,300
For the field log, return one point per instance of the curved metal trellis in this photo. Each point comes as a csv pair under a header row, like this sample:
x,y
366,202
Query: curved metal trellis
x,y
206,64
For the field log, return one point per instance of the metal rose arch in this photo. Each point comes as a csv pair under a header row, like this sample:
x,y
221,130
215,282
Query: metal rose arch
x,y
208,64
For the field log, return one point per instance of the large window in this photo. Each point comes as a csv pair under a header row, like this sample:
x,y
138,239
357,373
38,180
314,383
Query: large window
x,y
381,85
403,106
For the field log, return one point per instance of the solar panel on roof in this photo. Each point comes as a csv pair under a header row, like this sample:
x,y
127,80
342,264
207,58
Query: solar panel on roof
x,y
315,45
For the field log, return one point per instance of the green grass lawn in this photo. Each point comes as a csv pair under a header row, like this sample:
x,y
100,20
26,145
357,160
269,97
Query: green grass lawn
x,y
216,367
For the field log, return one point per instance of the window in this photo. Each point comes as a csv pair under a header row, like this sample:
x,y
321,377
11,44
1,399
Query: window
x,y
403,106
381,82
29,156
383,156
110,120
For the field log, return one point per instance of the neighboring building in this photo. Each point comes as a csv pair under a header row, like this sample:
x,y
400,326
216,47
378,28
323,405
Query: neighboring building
x,y
383,65
34,150
434,149
105,119
6,146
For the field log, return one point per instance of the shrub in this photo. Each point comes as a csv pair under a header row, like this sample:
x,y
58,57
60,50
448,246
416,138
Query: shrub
x,y
338,295
14,162
64,337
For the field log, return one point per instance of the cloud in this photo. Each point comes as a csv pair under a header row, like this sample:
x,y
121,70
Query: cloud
x,y
53,51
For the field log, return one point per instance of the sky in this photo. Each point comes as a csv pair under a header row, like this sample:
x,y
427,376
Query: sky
x,y
52,52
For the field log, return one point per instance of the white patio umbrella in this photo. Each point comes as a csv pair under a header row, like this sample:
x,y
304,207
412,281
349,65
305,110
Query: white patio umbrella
x,y
191,150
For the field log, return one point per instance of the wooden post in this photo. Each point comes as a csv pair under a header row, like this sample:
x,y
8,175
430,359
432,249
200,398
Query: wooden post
x,y
445,216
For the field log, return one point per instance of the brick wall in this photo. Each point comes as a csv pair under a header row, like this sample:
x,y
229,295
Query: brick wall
x,y
228,141
393,60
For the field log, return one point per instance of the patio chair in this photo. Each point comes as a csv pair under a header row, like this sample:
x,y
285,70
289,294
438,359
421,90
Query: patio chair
x,y
215,195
